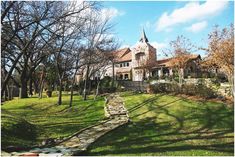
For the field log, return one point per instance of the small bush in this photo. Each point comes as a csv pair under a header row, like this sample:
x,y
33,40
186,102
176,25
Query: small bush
x,y
163,88
106,85
189,89
204,91
108,90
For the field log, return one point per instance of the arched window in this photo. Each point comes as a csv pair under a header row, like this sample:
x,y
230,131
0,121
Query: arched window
x,y
191,69
126,77
121,77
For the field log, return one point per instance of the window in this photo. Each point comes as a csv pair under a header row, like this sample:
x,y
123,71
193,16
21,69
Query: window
x,y
121,76
191,69
127,64
139,56
121,65
126,76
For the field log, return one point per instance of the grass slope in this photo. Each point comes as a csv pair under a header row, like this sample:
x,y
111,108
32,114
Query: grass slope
x,y
170,125
26,122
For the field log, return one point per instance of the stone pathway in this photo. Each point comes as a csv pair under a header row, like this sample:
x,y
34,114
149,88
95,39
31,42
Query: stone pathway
x,y
114,110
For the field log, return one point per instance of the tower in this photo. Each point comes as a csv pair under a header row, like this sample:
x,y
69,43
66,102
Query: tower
x,y
143,37
141,53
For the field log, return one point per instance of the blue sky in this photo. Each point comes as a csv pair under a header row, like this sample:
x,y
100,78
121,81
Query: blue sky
x,y
163,21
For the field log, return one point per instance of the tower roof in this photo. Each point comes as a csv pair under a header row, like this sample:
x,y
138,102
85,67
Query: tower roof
x,y
143,37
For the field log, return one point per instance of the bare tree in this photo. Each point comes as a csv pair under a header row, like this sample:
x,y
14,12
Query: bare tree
x,y
180,50
23,26
100,71
28,29
67,45
98,39
32,32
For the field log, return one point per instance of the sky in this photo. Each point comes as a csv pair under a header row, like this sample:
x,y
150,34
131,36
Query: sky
x,y
163,21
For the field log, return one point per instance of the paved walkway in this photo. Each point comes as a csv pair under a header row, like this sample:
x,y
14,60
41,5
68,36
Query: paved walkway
x,y
114,110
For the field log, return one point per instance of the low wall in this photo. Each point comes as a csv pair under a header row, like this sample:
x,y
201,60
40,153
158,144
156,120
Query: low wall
x,y
224,89
133,85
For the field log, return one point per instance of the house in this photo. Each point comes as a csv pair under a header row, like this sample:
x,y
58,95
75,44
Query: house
x,y
140,62
165,67
129,62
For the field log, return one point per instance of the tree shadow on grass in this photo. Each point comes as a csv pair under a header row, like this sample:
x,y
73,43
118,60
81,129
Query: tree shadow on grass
x,y
143,103
51,120
20,132
200,128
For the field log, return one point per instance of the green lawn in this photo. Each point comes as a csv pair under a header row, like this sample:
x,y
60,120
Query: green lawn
x,y
170,125
26,122
161,125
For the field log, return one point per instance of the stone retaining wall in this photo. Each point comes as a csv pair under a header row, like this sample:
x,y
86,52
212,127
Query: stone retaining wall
x,y
133,85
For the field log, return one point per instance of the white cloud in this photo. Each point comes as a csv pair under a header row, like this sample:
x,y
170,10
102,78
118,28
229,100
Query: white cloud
x,y
191,11
111,12
158,45
196,27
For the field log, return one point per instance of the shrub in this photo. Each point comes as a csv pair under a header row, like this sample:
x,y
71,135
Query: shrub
x,y
204,91
49,93
163,88
108,90
106,85
188,89
106,82
215,81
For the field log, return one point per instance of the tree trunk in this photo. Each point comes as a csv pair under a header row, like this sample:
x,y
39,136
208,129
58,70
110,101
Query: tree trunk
x,y
71,90
15,82
60,93
9,92
231,83
24,89
85,85
97,89
113,75
9,74
41,89
41,86
71,96
84,91
24,81
6,94
31,85
35,86
53,86
89,88
181,75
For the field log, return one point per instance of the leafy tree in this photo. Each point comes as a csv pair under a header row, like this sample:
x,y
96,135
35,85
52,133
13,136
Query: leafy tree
x,y
220,52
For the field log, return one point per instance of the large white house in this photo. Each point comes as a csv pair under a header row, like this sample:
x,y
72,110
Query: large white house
x,y
130,63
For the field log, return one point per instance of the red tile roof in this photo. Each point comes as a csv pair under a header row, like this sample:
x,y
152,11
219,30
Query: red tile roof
x,y
167,62
122,55
163,61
